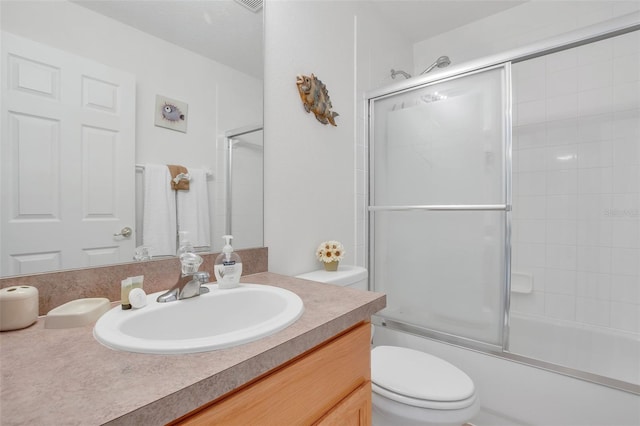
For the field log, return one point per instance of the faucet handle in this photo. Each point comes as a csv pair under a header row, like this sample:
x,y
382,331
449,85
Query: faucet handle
x,y
202,276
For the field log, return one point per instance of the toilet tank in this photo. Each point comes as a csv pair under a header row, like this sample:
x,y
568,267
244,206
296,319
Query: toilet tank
x,y
346,276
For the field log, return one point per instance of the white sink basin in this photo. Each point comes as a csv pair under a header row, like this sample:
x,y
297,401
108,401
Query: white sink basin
x,y
215,320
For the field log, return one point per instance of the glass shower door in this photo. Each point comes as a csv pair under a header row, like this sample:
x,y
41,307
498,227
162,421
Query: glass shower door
x,y
439,205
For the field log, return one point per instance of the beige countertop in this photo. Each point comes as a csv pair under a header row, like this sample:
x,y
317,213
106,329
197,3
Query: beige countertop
x,y
65,377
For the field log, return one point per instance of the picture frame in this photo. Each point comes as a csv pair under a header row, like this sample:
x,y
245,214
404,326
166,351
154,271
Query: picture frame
x,y
171,114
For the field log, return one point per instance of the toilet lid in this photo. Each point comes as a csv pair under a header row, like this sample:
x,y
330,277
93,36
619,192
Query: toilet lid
x,y
418,375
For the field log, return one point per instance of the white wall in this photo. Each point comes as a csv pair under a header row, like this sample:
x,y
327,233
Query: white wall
x,y
311,183
219,98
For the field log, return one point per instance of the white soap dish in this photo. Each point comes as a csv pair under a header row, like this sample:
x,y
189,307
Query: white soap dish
x,y
77,313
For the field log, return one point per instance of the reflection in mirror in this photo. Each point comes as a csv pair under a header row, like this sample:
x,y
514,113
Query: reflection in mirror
x,y
244,190
83,81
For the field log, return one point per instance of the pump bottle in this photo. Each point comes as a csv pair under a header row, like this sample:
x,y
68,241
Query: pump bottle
x,y
228,266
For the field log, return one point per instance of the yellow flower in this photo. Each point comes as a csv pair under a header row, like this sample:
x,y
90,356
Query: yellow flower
x,y
330,251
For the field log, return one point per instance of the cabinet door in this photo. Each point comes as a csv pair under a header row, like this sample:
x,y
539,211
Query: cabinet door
x,y
354,410
300,392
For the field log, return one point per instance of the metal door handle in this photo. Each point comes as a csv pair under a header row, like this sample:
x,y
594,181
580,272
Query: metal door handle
x,y
125,232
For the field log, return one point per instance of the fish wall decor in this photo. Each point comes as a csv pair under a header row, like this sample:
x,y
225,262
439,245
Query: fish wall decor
x,y
170,113
315,98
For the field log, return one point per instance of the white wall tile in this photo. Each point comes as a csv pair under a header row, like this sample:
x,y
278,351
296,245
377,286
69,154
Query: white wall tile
x,y
560,257
594,259
530,136
561,231
595,75
532,303
625,205
562,82
626,179
626,69
595,52
531,112
562,157
597,180
530,80
532,160
531,183
593,285
626,96
595,101
593,206
624,261
625,288
626,151
562,132
562,107
595,232
563,60
561,281
626,233
531,254
625,316
595,154
626,124
531,231
562,207
530,207
592,311
562,182
561,306
626,44
595,128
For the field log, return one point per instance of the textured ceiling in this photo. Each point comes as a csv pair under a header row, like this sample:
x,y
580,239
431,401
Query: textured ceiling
x,y
222,30
231,34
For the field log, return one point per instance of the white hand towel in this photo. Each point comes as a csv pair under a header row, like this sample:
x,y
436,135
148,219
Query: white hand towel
x,y
193,210
159,216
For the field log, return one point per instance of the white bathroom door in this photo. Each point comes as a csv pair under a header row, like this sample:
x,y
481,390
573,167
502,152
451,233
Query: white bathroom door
x,y
68,165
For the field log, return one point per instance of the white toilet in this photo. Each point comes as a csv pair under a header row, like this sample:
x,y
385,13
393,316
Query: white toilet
x,y
409,387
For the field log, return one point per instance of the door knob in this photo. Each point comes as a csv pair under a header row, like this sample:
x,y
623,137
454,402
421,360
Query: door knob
x,y
125,232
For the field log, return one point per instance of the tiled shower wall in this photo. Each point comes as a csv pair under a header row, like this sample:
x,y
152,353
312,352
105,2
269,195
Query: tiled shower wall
x,y
576,179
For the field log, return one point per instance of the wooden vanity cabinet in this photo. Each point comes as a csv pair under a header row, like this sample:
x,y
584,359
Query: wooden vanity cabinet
x,y
328,385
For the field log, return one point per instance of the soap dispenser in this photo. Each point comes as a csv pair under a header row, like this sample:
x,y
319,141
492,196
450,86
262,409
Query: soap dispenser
x,y
228,266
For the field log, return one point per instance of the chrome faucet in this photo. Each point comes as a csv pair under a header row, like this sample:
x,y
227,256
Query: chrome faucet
x,y
188,286
189,282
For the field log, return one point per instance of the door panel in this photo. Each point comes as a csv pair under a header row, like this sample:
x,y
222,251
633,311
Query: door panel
x,y
68,160
439,205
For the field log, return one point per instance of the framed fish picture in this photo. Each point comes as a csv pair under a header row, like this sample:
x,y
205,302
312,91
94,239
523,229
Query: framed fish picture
x,y
171,114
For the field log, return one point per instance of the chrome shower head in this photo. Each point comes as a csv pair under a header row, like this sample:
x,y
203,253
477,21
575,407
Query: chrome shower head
x,y
441,62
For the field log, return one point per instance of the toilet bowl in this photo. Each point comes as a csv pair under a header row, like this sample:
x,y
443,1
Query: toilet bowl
x,y
409,387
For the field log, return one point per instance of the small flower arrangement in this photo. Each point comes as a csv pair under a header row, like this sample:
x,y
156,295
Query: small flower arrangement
x,y
330,251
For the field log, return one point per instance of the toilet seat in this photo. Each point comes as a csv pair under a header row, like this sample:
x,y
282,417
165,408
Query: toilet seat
x,y
419,379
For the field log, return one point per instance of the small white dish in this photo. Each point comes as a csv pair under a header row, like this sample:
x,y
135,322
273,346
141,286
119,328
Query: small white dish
x,y
77,313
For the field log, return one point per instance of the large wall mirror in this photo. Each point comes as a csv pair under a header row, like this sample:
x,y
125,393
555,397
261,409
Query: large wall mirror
x,y
84,87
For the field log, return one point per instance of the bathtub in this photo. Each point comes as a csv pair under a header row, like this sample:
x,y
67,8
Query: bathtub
x,y
598,350
516,394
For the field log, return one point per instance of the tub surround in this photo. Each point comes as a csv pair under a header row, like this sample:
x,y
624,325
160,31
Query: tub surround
x,y
79,381
58,288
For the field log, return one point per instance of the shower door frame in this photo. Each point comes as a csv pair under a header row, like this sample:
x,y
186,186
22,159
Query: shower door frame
x,y
504,207
612,28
